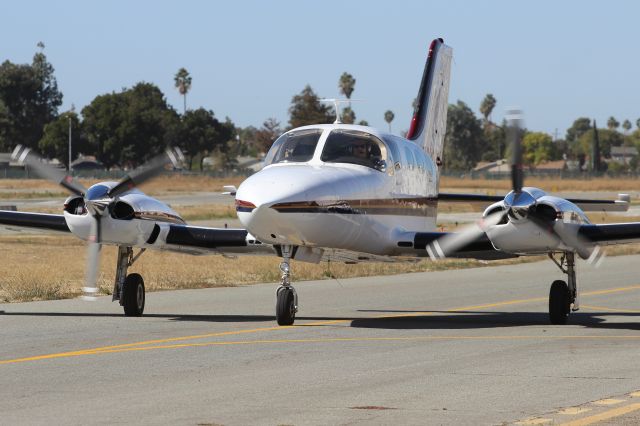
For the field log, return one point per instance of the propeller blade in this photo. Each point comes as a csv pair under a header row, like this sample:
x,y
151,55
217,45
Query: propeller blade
x,y
26,156
90,289
514,130
147,171
567,234
451,243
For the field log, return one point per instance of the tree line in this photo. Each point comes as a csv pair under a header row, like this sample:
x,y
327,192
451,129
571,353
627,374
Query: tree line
x,y
125,128
121,129
470,139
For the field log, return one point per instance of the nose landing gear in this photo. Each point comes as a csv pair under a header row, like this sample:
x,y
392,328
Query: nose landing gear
x,y
286,296
129,289
561,294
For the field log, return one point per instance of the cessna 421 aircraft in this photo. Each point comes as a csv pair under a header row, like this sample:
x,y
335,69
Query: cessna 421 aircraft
x,y
338,193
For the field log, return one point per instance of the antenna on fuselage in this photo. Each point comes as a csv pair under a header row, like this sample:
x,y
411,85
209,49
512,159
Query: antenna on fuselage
x,y
336,105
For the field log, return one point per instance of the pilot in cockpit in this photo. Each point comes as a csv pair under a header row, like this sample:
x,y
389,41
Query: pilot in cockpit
x,y
360,149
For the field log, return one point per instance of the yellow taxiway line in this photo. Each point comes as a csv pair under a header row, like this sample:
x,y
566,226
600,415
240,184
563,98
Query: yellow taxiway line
x,y
309,340
605,415
154,344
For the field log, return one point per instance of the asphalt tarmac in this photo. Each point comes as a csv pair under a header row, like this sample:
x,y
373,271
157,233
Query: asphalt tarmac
x,y
470,347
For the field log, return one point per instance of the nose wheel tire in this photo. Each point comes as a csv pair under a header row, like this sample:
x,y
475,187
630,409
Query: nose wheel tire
x,y
133,295
559,302
285,306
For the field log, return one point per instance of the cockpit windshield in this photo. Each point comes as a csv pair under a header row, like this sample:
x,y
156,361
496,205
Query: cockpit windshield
x,y
355,147
294,147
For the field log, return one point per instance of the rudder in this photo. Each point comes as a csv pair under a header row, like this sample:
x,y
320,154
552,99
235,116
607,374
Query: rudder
x,y
429,122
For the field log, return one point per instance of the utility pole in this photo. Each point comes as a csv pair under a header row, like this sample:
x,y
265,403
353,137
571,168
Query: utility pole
x,y
595,151
72,110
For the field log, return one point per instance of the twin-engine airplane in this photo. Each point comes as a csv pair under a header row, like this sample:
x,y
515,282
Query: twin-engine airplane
x,y
338,192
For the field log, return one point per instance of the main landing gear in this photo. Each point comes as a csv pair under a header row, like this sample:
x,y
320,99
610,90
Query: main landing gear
x,y
129,289
561,294
286,296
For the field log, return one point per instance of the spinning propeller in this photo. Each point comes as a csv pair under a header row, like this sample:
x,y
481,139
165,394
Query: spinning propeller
x,y
97,202
519,205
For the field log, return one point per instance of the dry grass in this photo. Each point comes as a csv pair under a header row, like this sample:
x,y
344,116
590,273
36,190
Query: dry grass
x,y
207,212
551,184
26,272
27,188
39,188
184,183
27,195
599,217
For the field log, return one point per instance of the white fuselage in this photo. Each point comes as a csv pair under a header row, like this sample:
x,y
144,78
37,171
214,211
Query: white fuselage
x,y
341,205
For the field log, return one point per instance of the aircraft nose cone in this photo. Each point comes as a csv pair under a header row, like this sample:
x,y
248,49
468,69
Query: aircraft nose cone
x,y
259,192
286,201
274,184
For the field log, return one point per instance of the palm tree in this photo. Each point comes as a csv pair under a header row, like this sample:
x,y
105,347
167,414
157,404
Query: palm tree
x,y
346,84
486,107
612,123
183,84
626,125
388,117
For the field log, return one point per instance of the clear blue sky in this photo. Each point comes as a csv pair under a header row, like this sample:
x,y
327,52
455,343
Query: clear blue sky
x,y
557,60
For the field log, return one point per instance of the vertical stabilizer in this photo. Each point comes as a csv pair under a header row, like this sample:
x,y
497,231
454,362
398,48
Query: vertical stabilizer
x,y
429,122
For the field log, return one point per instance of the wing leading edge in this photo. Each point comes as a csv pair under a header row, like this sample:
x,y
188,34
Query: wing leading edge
x,y
202,240
53,222
611,233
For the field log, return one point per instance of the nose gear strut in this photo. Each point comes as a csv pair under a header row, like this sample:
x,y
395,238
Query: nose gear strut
x,y
286,296
129,289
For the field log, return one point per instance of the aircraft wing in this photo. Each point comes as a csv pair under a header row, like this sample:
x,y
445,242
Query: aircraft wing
x,y
203,240
180,238
480,249
611,233
52,222
587,205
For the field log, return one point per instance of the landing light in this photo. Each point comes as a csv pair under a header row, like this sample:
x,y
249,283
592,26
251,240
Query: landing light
x,y
244,206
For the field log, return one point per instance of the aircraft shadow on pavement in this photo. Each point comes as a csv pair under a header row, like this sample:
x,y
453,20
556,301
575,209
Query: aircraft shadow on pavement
x,y
174,317
436,320
444,320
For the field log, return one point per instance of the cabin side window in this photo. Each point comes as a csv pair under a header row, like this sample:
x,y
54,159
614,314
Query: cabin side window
x,y
355,147
294,147
420,164
395,153
411,159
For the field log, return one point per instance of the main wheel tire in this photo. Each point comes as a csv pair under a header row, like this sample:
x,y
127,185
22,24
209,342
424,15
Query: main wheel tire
x,y
285,306
133,295
559,302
